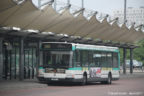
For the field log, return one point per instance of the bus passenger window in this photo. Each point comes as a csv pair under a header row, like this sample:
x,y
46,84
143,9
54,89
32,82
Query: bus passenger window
x,y
91,59
115,60
77,58
97,59
109,59
84,58
104,59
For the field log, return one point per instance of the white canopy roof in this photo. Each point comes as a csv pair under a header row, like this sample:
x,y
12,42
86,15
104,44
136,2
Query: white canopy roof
x,y
27,16
6,4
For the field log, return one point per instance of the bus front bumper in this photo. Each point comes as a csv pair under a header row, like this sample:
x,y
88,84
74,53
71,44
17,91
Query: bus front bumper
x,y
62,80
41,79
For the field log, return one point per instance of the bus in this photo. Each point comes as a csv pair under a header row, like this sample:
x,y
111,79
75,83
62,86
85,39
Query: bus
x,y
82,63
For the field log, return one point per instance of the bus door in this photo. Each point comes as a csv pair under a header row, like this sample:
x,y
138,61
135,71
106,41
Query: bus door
x,y
95,65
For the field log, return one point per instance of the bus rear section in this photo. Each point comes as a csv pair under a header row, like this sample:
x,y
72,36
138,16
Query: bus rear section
x,y
66,62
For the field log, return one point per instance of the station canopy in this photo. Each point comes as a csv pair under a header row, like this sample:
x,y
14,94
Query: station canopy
x,y
28,17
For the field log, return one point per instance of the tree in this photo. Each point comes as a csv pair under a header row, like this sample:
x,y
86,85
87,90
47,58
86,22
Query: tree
x,y
138,52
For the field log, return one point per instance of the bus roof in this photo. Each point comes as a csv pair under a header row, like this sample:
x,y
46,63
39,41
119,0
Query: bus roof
x,y
88,46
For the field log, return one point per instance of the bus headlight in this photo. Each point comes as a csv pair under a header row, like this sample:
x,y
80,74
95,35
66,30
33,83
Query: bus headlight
x,y
41,70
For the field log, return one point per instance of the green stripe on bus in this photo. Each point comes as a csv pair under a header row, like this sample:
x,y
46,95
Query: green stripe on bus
x,y
116,69
73,48
104,50
41,68
76,68
100,50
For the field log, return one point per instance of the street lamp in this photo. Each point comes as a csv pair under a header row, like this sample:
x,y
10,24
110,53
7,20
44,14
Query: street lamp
x,y
125,5
82,3
39,3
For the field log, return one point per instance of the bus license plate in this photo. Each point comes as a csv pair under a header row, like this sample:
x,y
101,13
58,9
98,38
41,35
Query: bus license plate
x,y
54,79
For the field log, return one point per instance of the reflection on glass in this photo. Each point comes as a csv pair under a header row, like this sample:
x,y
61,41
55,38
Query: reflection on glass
x,y
57,59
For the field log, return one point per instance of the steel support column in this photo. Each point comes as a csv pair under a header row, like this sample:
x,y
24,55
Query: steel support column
x,y
131,60
21,61
124,60
1,58
39,56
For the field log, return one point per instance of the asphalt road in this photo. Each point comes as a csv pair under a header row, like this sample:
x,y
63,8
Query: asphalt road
x,y
122,87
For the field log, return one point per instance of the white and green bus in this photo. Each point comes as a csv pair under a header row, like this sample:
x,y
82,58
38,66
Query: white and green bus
x,y
70,62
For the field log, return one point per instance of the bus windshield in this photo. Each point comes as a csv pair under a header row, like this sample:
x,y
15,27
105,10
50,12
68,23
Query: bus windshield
x,y
57,59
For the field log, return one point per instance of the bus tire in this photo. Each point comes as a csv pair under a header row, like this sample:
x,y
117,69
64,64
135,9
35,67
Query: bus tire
x,y
84,80
109,80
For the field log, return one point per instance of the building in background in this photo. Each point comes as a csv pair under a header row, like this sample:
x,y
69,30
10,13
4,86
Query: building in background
x,y
133,15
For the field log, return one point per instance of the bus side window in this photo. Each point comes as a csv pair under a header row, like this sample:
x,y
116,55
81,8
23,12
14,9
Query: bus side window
x,y
97,59
84,58
91,59
104,59
77,58
109,59
115,60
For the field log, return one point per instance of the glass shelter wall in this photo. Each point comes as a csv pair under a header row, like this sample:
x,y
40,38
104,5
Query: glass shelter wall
x,y
11,60
29,62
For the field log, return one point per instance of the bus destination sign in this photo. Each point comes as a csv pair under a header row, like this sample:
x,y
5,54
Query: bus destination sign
x,y
56,46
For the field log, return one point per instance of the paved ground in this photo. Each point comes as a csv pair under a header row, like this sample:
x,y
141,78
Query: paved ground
x,y
135,70
16,84
128,85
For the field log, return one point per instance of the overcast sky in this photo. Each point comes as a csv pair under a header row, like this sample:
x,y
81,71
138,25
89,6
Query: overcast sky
x,y
105,6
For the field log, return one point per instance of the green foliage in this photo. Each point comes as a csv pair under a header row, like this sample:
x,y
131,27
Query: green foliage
x,y
138,53
121,55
